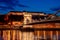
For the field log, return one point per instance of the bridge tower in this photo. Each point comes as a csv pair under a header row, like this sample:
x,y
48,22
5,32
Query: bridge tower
x,y
27,33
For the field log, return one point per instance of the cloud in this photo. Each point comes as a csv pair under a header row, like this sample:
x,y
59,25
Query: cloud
x,y
55,8
10,5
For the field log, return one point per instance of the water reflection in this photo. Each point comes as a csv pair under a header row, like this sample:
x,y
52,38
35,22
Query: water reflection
x,y
54,37
17,35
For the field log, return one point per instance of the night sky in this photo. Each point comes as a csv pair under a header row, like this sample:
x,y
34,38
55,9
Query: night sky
x,y
47,6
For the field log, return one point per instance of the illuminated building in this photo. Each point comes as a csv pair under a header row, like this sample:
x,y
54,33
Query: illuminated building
x,y
18,25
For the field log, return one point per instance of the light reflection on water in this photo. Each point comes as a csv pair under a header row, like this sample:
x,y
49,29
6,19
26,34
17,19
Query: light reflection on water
x,y
36,37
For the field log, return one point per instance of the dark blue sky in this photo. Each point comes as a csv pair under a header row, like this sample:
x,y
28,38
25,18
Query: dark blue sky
x,y
47,6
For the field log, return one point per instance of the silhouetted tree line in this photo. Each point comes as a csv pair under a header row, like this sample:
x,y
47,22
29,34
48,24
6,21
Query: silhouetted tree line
x,y
5,19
